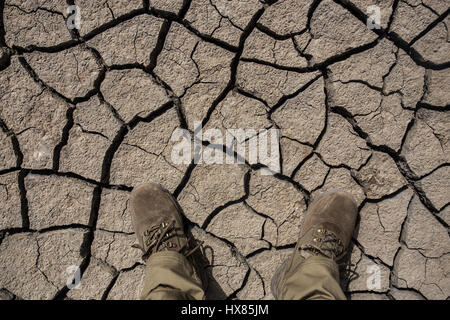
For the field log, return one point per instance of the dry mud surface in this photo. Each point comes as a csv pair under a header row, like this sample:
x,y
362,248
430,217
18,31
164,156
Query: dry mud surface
x,y
87,114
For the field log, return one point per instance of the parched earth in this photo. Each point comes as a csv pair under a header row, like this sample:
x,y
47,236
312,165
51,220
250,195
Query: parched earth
x,y
87,114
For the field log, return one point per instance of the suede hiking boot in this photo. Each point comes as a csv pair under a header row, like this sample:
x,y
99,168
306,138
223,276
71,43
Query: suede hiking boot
x,y
158,223
327,230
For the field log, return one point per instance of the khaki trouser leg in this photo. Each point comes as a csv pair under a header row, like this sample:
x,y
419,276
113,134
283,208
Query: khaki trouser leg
x,y
316,278
169,275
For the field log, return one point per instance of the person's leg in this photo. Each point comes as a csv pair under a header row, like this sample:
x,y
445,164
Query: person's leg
x,y
170,276
314,278
312,271
170,270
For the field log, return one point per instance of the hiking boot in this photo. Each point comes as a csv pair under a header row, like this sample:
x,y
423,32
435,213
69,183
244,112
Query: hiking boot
x,y
158,222
326,231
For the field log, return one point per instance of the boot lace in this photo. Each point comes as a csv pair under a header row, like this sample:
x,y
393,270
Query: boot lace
x,y
325,243
157,238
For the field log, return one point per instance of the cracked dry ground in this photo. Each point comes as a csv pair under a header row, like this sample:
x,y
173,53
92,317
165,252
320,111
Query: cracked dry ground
x,y
87,114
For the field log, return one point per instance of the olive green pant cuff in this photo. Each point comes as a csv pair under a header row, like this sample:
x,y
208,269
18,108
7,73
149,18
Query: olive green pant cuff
x,y
170,276
316,278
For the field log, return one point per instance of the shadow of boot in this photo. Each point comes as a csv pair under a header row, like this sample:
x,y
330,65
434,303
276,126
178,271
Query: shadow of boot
x,y
347,271
212,289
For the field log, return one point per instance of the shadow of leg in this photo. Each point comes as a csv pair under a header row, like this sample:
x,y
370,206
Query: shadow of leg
x,y
347,271
203,266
